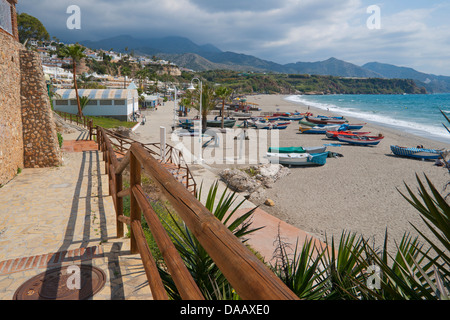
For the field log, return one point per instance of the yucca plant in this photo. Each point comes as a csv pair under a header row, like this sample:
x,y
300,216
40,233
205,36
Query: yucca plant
x,y
300,270
435,213
204,271
324,272
417,270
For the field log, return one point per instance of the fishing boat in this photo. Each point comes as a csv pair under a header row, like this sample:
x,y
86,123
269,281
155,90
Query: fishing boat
x,y
270,125
298,159
328,117
307,123
335,134
241,114
417,153
290,116
361,140
319,129
323,120
227,123
319,149
355,126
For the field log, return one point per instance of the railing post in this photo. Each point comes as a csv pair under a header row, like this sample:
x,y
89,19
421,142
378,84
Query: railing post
x,y
135,212
119,205
90,130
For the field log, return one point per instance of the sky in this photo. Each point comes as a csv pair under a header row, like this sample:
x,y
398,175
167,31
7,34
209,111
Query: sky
x,y
410,33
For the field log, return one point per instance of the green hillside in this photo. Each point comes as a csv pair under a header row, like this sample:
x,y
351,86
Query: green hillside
x,y
247,83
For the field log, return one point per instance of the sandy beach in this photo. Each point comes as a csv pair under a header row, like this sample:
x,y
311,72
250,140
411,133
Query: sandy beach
x,y
353,193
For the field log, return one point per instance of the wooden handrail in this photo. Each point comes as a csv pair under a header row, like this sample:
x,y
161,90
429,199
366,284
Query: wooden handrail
x,y
151,270
183,280
245,272
250,277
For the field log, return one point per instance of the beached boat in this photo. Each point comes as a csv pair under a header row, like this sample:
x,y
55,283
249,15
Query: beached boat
x,y
319,149
270,125
290,116
307,123
298,159
241,114
227,123
323,120
335,134
361,140
355,126
319,129
417,153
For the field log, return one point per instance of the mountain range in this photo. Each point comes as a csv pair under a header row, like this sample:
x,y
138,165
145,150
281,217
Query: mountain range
x,y
185,53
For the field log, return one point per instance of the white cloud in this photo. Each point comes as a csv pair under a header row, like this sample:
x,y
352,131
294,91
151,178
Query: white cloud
x,y
282,31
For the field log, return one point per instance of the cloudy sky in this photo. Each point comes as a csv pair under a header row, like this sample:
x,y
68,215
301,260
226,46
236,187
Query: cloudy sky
x,y
411,33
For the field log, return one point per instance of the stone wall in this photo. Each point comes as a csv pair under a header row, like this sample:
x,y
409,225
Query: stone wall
x,y
28,136
41,147
11,138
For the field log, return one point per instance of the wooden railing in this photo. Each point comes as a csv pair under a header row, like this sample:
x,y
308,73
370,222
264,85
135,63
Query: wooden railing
x,y
80,121
167,155
251,279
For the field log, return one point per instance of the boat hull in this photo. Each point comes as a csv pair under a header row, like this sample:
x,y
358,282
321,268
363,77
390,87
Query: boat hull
x,y
416,153
335,134
319,129
361,140
325,120
298,159
218,123
310,150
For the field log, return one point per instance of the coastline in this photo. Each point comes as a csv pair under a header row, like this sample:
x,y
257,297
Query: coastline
x,y
354,193
358,192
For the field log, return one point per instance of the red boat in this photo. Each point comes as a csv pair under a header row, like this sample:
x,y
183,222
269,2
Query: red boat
x,y
335,134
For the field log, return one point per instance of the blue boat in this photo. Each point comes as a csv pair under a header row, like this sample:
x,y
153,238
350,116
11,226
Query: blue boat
x,y
417,153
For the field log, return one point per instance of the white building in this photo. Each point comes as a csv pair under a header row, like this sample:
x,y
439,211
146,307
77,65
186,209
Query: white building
x,y
114,103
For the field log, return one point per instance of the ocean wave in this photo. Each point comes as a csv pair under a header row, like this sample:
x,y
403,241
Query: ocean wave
x,y
375,116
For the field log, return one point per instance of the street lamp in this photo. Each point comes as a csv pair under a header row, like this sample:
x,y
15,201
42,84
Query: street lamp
x,y
175,118
191,87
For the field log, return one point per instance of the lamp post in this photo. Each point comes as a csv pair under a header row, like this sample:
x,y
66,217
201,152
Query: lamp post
x,y
175,118
191,87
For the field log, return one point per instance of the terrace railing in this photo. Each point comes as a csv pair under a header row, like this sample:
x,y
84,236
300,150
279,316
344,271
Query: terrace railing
x,y
80,121
249,276
251,279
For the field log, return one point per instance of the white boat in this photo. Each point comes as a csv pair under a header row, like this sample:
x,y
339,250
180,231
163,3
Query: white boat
x,y
241,114
298,159
320,129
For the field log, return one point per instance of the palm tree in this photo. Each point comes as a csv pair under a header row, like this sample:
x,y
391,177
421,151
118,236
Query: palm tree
x,y
76,53
142,75
125,72
209,102
224,94
84,101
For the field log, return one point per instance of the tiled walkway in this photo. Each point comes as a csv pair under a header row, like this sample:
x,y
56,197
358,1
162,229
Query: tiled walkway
x,y
60,216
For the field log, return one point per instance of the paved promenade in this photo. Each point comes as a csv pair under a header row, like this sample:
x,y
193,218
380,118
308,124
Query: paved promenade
x,y
57,217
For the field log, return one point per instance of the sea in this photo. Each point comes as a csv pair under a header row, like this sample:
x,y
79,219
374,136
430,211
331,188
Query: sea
x,y
415,114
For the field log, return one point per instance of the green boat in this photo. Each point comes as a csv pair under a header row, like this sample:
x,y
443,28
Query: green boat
x,y
320,149
307,123
218,123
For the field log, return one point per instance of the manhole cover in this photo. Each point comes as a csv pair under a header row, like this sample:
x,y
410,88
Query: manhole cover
x,y
63,284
